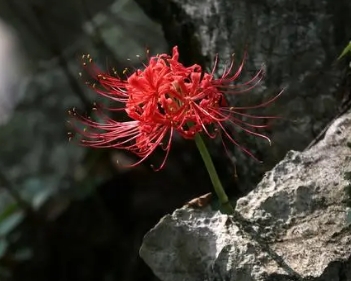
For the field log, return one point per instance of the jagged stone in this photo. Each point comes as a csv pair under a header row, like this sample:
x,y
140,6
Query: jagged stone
x,y
291,227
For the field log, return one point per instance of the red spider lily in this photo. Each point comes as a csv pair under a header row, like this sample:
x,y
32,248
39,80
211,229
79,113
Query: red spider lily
x,y
163,98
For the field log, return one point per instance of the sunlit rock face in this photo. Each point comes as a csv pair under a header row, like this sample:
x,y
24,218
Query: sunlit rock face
x,y
294,226
11,70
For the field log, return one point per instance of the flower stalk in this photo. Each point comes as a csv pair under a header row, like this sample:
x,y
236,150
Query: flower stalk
x,y
217,185
164,98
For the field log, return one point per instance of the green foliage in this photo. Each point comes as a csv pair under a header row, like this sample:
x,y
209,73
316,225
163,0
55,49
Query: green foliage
x,y
10,222
3,247
10,217
346,50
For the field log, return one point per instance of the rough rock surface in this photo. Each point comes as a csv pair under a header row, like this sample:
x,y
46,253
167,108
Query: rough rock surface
x,y
34,148
298,41
291,227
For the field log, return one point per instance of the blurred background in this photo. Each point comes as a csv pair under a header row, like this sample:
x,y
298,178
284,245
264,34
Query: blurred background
x,y
69,213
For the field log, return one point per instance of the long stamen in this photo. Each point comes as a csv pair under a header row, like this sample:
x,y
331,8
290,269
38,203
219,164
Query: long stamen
x,y
164,97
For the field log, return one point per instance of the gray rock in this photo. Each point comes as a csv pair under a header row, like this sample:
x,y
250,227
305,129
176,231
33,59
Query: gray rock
x,y
10,70
35,152
291,227
298,41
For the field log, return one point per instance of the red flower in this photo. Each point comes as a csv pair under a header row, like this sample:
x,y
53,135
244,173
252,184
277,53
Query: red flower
x,y
163,98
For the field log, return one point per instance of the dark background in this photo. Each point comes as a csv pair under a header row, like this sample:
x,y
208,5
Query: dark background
x,y
69,213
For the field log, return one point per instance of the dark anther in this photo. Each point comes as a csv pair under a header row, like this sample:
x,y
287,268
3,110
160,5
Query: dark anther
x,y
161,109
95,107
72,111
70,135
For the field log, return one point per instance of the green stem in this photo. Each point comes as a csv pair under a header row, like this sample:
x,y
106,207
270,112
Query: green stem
x,y
217,185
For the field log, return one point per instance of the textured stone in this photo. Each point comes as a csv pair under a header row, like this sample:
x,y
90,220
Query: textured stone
x,y
35,150
291,227
298,41
10,70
